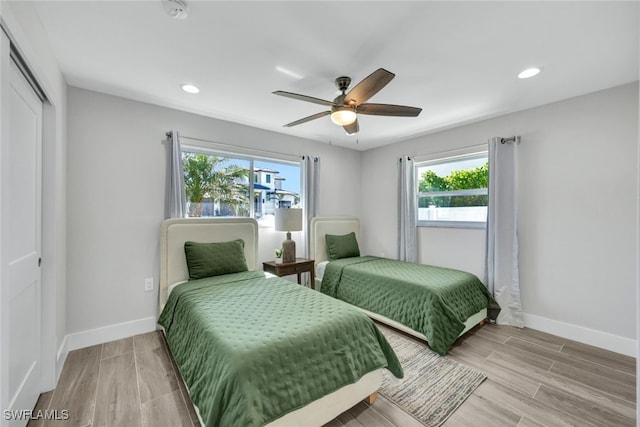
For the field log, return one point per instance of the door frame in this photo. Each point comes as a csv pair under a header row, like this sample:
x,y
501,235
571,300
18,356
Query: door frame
x,y
53,202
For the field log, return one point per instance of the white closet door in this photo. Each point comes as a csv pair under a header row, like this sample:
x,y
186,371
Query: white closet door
x,y
21,241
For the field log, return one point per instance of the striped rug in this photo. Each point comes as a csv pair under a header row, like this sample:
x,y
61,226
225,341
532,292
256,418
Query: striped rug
x,y
433,386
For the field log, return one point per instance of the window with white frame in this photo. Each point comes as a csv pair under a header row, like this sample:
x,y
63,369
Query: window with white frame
x,y
453,191
218,184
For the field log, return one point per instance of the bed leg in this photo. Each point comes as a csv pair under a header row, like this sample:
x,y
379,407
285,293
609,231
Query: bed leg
x,y
483,322
371,398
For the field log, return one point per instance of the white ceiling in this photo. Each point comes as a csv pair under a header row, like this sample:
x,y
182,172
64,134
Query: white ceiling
x,y
458,61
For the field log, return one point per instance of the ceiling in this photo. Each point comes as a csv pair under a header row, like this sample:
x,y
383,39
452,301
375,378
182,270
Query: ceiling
x,y
458,61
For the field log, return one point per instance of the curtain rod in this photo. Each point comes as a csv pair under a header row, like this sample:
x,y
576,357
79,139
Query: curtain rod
x,y
511,139
169,134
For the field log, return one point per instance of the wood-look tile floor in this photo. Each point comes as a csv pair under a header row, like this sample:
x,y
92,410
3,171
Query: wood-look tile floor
x,y
534,379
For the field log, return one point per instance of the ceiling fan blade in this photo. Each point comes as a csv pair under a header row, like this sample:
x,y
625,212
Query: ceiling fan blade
x,y
352,128
304,98
307,119
388,110
369,86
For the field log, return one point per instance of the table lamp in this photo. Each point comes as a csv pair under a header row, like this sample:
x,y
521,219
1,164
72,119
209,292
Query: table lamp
x,y
288,220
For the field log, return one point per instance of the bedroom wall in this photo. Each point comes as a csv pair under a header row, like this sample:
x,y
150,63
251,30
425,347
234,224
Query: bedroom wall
x,y
578,178
116,178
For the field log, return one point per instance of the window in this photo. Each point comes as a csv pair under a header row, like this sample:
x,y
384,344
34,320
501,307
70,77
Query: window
x,y
217,184
452,192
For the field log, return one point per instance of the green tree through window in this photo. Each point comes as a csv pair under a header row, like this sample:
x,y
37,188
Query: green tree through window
x,y
453,189
214,179
459,179
217,184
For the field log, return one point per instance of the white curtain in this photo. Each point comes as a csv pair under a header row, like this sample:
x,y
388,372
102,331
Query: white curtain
x,y
175,198
310,185
502,275
407,231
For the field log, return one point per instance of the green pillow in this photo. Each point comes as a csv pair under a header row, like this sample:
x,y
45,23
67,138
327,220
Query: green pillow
x,y
342,246
214,259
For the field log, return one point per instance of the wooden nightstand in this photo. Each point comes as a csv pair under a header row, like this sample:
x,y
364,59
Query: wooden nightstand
x,y
301,265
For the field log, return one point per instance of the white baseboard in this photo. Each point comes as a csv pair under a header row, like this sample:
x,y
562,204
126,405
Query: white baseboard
x,y
61,356
592,337
109,333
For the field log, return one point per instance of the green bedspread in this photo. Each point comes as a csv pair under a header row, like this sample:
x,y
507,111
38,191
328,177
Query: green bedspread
x,y
252,349
434,301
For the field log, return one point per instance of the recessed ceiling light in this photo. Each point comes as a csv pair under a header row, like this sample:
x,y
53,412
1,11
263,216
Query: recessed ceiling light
x,y
529,72
190,88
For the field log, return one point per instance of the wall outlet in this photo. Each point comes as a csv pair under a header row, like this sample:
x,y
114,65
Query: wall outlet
x,y
148,284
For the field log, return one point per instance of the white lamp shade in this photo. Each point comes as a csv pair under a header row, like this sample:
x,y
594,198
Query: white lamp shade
x,y
288,219
343,116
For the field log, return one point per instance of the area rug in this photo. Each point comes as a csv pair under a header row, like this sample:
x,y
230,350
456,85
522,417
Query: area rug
x,y
433,386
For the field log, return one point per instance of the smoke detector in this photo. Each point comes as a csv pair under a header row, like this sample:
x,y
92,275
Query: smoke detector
x,y
177,9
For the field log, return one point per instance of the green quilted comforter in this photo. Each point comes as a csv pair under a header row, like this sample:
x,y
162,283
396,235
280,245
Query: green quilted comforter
x,y
434,301
252,349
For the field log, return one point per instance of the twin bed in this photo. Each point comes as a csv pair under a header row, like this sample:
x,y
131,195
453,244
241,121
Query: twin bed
x,y
435,304
254,349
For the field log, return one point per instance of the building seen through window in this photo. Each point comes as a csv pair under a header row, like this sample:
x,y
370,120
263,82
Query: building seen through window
x,y
219,185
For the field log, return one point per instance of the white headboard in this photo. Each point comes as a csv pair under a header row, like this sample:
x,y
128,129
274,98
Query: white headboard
x,y
173,264
321,226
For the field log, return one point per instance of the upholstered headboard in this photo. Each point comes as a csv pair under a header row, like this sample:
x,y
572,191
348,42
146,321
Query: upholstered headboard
x,y
173,264
321,226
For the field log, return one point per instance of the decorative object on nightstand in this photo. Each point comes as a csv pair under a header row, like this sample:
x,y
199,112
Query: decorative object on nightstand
x,y
278,256
288,220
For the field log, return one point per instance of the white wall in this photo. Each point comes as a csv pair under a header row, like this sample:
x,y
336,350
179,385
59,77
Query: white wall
x,y
116,179
577,213
22,23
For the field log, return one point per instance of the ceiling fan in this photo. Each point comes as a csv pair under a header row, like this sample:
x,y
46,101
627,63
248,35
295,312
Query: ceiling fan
x,y
346,106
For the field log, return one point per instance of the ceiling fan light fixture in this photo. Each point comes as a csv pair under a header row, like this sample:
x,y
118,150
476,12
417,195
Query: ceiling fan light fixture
x,y
344,108
343,116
